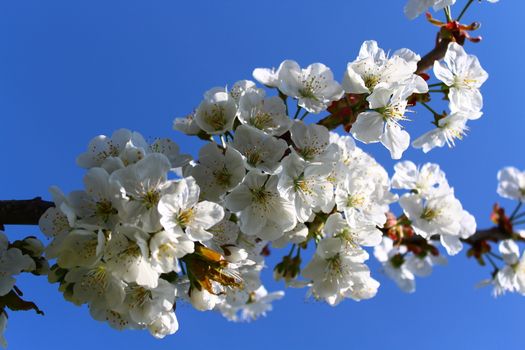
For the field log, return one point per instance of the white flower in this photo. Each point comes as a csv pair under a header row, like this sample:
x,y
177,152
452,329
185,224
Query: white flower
x,y
259,303
117,319
171,150
453,126
96,285
53,222
421,266
141,186
356,196
203,300
312,143
12,262
511,184
394,265
297,235
99,205
440,214
305,185
168,246
240,88
381,123
80,248
416,7
463,74
181,209
263,212
122,148
218,171
427,180
512,276
348,152
217,112
364,234
266,114
314,86
372,68
164,325
259,150
187,125
127,255
336,272
270,76
145,305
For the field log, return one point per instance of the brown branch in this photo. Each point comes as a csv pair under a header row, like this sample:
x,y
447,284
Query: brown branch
x,y
23,212
437,53
494,234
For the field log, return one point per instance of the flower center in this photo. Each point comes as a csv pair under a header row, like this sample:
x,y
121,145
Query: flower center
x,y
349,237
139,295
216,117
429,214
262,120
222,177
253,156
311,85
370,81
259,195
104,209
151,198
355,200
185,217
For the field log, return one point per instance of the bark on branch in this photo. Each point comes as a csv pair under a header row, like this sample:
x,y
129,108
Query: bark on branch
x,y
23,212
437,53
28,212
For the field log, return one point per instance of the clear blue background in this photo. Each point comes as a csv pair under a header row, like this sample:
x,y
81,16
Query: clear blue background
x,y
70,70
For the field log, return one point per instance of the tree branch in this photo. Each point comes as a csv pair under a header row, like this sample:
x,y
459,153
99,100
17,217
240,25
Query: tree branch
x,y
494,234
437,53
23,212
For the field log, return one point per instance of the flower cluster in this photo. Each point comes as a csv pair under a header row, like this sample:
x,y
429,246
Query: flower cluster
x,y
138,238
402,265
17,257
461,76
511,276
430,212
153,226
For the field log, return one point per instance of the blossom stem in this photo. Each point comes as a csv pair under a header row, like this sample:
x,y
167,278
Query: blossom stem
x,y
513,215
447,14
304,115
435,84
519,222
495,256
424,104
464,9
297,111
492,263
520,215
285,100
291,251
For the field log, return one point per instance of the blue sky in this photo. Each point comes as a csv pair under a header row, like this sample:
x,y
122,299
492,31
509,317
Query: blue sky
x,y
70,70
